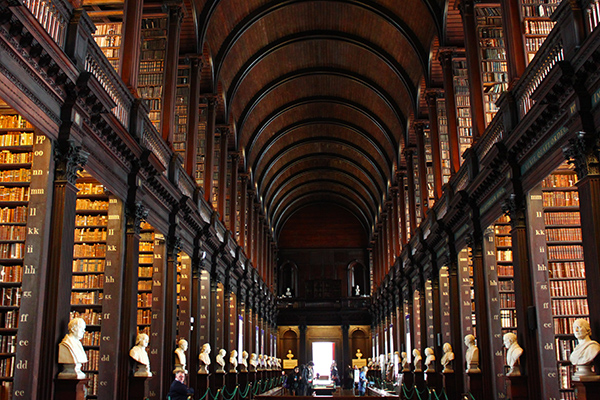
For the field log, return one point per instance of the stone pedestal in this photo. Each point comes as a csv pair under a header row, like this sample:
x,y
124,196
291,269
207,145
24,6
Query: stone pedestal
x,y
449,379
419,380
516,387
476,385
138,388
407,379
217,381
587,389
70,389
231,381
434,381
203,384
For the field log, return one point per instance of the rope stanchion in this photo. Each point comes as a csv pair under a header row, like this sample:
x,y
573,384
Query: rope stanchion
x,y
243,396
405,392
205,394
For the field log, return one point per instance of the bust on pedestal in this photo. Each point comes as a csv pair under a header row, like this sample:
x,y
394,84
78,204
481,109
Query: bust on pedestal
x,y
180,358
585,353
244,363
253,363
405,363
472,355
220,360
139,354
429,360
417,360
70,351
513,353
448,359
204,359
233,362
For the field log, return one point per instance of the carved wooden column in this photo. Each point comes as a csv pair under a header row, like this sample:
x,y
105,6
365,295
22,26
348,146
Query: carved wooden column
x,y
222,189
403,238
170,310
434,134
513,34
422,163
453,139
243,211
255,234
209,163
233,198
130,44
250,215
158,327
410,174
467,10
191,151
395,224
175,17
69,159
384,247
456,319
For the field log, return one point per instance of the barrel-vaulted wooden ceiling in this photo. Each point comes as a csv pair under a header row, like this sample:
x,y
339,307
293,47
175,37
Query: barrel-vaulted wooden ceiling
x,y
319,93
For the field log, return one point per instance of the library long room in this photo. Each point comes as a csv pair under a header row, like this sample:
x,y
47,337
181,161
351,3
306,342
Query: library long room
x,y
238,200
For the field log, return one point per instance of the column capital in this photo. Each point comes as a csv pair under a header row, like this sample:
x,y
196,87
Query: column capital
x,y
223,130
431,96
210,99
582,152
70,159
135,214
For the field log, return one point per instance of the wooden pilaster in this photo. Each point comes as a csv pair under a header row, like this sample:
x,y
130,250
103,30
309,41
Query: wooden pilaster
x,y
130,44
453,139
209,160
222,189
191,151
157,327
403,239
513,33
422,163
233,198
410,174
434,135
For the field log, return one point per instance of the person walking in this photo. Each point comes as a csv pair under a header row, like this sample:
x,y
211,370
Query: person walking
x,y
362,381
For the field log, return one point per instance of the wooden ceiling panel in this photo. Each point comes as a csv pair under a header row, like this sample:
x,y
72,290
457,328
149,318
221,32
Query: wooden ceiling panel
x,y
335,88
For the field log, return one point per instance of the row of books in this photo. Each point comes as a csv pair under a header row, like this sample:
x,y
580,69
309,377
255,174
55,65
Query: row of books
x,y
563,234
560,199
10,297
153,104
565,252
567,288
90,188
144,317
564,373
112,52
90,234
12,250
503,241
12,232
14,193
564,325
93,281
16,139
144,285
91,338
505,270
145,272
538,27
152,79
9,319
85,265
146,258
502,229
533,44
489,77
506,285
507,300
89,298
90,316
508,318
564,347
570,307
7,367
8,344
491,41
149,24
90,250
538,10
14,121
493,54
16,175
93,357
92,384
86,204
91,220
144,300
147,246
108,29
8,157
562,218
568,269
152,66
151,92
559,180
504,255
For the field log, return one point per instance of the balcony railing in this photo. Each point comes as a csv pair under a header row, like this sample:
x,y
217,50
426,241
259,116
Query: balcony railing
x,y
53,16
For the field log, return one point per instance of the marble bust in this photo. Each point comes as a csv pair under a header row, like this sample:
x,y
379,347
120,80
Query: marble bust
x,y
429,360
448,358
260,363
585,352
140,355
253,363
405,363
513,353
204,359
472,355
70,351
180,358
369,362
233,361
417,360
244,362
220,360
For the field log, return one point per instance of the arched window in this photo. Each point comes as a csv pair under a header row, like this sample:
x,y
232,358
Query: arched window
x,y
287,280
357,279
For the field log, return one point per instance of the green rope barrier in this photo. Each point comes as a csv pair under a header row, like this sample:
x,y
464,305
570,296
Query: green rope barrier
x,y
231,396
257,388
243,396
205,393
405,392
471,396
